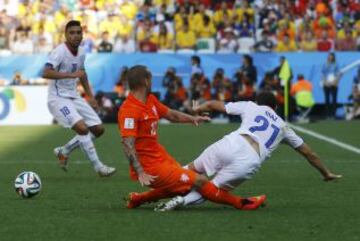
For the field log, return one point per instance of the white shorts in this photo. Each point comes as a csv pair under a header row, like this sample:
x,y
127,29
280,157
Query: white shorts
x,y
231,160
68,112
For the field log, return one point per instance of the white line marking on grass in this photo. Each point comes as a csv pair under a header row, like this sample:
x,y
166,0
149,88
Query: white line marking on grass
x,y
327,139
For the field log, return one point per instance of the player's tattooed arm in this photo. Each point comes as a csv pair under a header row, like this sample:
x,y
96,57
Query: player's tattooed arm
x,y
315,161
180,117
213,105
50,73
128,144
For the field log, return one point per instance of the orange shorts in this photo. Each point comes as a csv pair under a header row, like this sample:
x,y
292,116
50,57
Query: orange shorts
x,y
173,178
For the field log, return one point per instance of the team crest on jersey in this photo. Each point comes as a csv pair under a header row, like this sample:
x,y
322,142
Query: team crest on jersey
x,y
129,123
184,178
154,110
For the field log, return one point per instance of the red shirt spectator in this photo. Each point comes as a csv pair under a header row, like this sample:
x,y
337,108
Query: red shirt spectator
x,y
325,44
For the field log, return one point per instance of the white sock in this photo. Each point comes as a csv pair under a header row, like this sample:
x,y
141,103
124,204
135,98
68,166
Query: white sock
x,y
192,198
186,167
74,143
87,146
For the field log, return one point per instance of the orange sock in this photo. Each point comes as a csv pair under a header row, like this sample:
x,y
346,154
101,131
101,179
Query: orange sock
x,y
212,193
154,195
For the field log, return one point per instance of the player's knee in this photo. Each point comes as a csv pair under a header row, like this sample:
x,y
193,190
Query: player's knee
x,y
200,180
98,130
80,128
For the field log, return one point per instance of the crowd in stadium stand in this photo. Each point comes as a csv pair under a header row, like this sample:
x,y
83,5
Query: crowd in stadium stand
x,y
36,26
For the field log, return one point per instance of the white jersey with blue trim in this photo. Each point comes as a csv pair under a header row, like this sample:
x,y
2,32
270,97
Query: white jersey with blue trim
x,y
263,125
62,60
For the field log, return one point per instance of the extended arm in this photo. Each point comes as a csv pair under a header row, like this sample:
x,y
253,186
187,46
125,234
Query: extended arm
x,y
85,83
315,161
128,144
213,105
179,117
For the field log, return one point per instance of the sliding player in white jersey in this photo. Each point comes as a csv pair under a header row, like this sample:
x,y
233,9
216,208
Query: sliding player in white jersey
x,y
239,155
64,68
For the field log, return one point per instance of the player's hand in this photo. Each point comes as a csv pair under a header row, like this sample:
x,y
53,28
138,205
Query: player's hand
x,y
199,119
145,179
331,177
93,103
79,74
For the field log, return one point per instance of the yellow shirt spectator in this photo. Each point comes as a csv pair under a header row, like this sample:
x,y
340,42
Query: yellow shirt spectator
x,y
240,12
206,31
129,9
161,2
111,25
219,14
185,38
286,46
341,34
165,41
143,33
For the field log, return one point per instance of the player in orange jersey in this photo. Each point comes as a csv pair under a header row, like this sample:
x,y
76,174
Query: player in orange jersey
x,y
150,164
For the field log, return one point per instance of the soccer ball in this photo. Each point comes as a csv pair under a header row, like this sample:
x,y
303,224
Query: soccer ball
x,y
27,184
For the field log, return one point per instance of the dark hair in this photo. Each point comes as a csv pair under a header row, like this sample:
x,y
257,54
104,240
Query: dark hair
x,y
266,98
248,58
136,76
196,59
72,23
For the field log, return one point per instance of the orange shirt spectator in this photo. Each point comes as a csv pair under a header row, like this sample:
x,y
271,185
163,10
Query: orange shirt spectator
x,y
301,85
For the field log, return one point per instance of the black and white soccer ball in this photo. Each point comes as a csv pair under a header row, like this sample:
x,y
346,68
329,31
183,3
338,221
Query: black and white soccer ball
x,y
27,184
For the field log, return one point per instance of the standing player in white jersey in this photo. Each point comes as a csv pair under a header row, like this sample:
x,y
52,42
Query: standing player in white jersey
x,y
239,155
64,68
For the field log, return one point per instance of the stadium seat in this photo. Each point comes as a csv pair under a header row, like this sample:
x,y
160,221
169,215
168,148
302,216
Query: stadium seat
x,y
205,45
185,51
245,44
166,51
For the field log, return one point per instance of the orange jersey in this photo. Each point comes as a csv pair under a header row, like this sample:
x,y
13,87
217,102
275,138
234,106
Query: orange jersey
x,y
141,121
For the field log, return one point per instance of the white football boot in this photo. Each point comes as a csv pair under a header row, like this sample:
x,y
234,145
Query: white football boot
x,y
170,205
105,171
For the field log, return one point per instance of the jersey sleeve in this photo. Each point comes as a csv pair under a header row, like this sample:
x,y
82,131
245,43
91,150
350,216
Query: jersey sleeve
x,y
128,121
54,59
236,108
160,107
291,138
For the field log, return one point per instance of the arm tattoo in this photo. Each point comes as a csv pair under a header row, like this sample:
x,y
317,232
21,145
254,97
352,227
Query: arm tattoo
x,y
130,152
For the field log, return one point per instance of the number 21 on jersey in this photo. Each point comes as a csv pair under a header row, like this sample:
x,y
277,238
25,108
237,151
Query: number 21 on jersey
x,y
264,125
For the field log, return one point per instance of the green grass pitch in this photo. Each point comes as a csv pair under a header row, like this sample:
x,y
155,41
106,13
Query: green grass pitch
x,y
78,205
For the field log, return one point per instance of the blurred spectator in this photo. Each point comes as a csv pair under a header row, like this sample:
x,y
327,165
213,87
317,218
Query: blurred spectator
x,y
200,88
269,83
221,13
146,37
121,87
302,92
308,44
4,39
124,44
147,45
330,80
229,43
18,79
176,94
165,39
105,46
185,38
23,44
222,86
355,96
105,107
196,65
88,43
346,44
248,69
205,28
246,27
325,44
286,45
265,44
